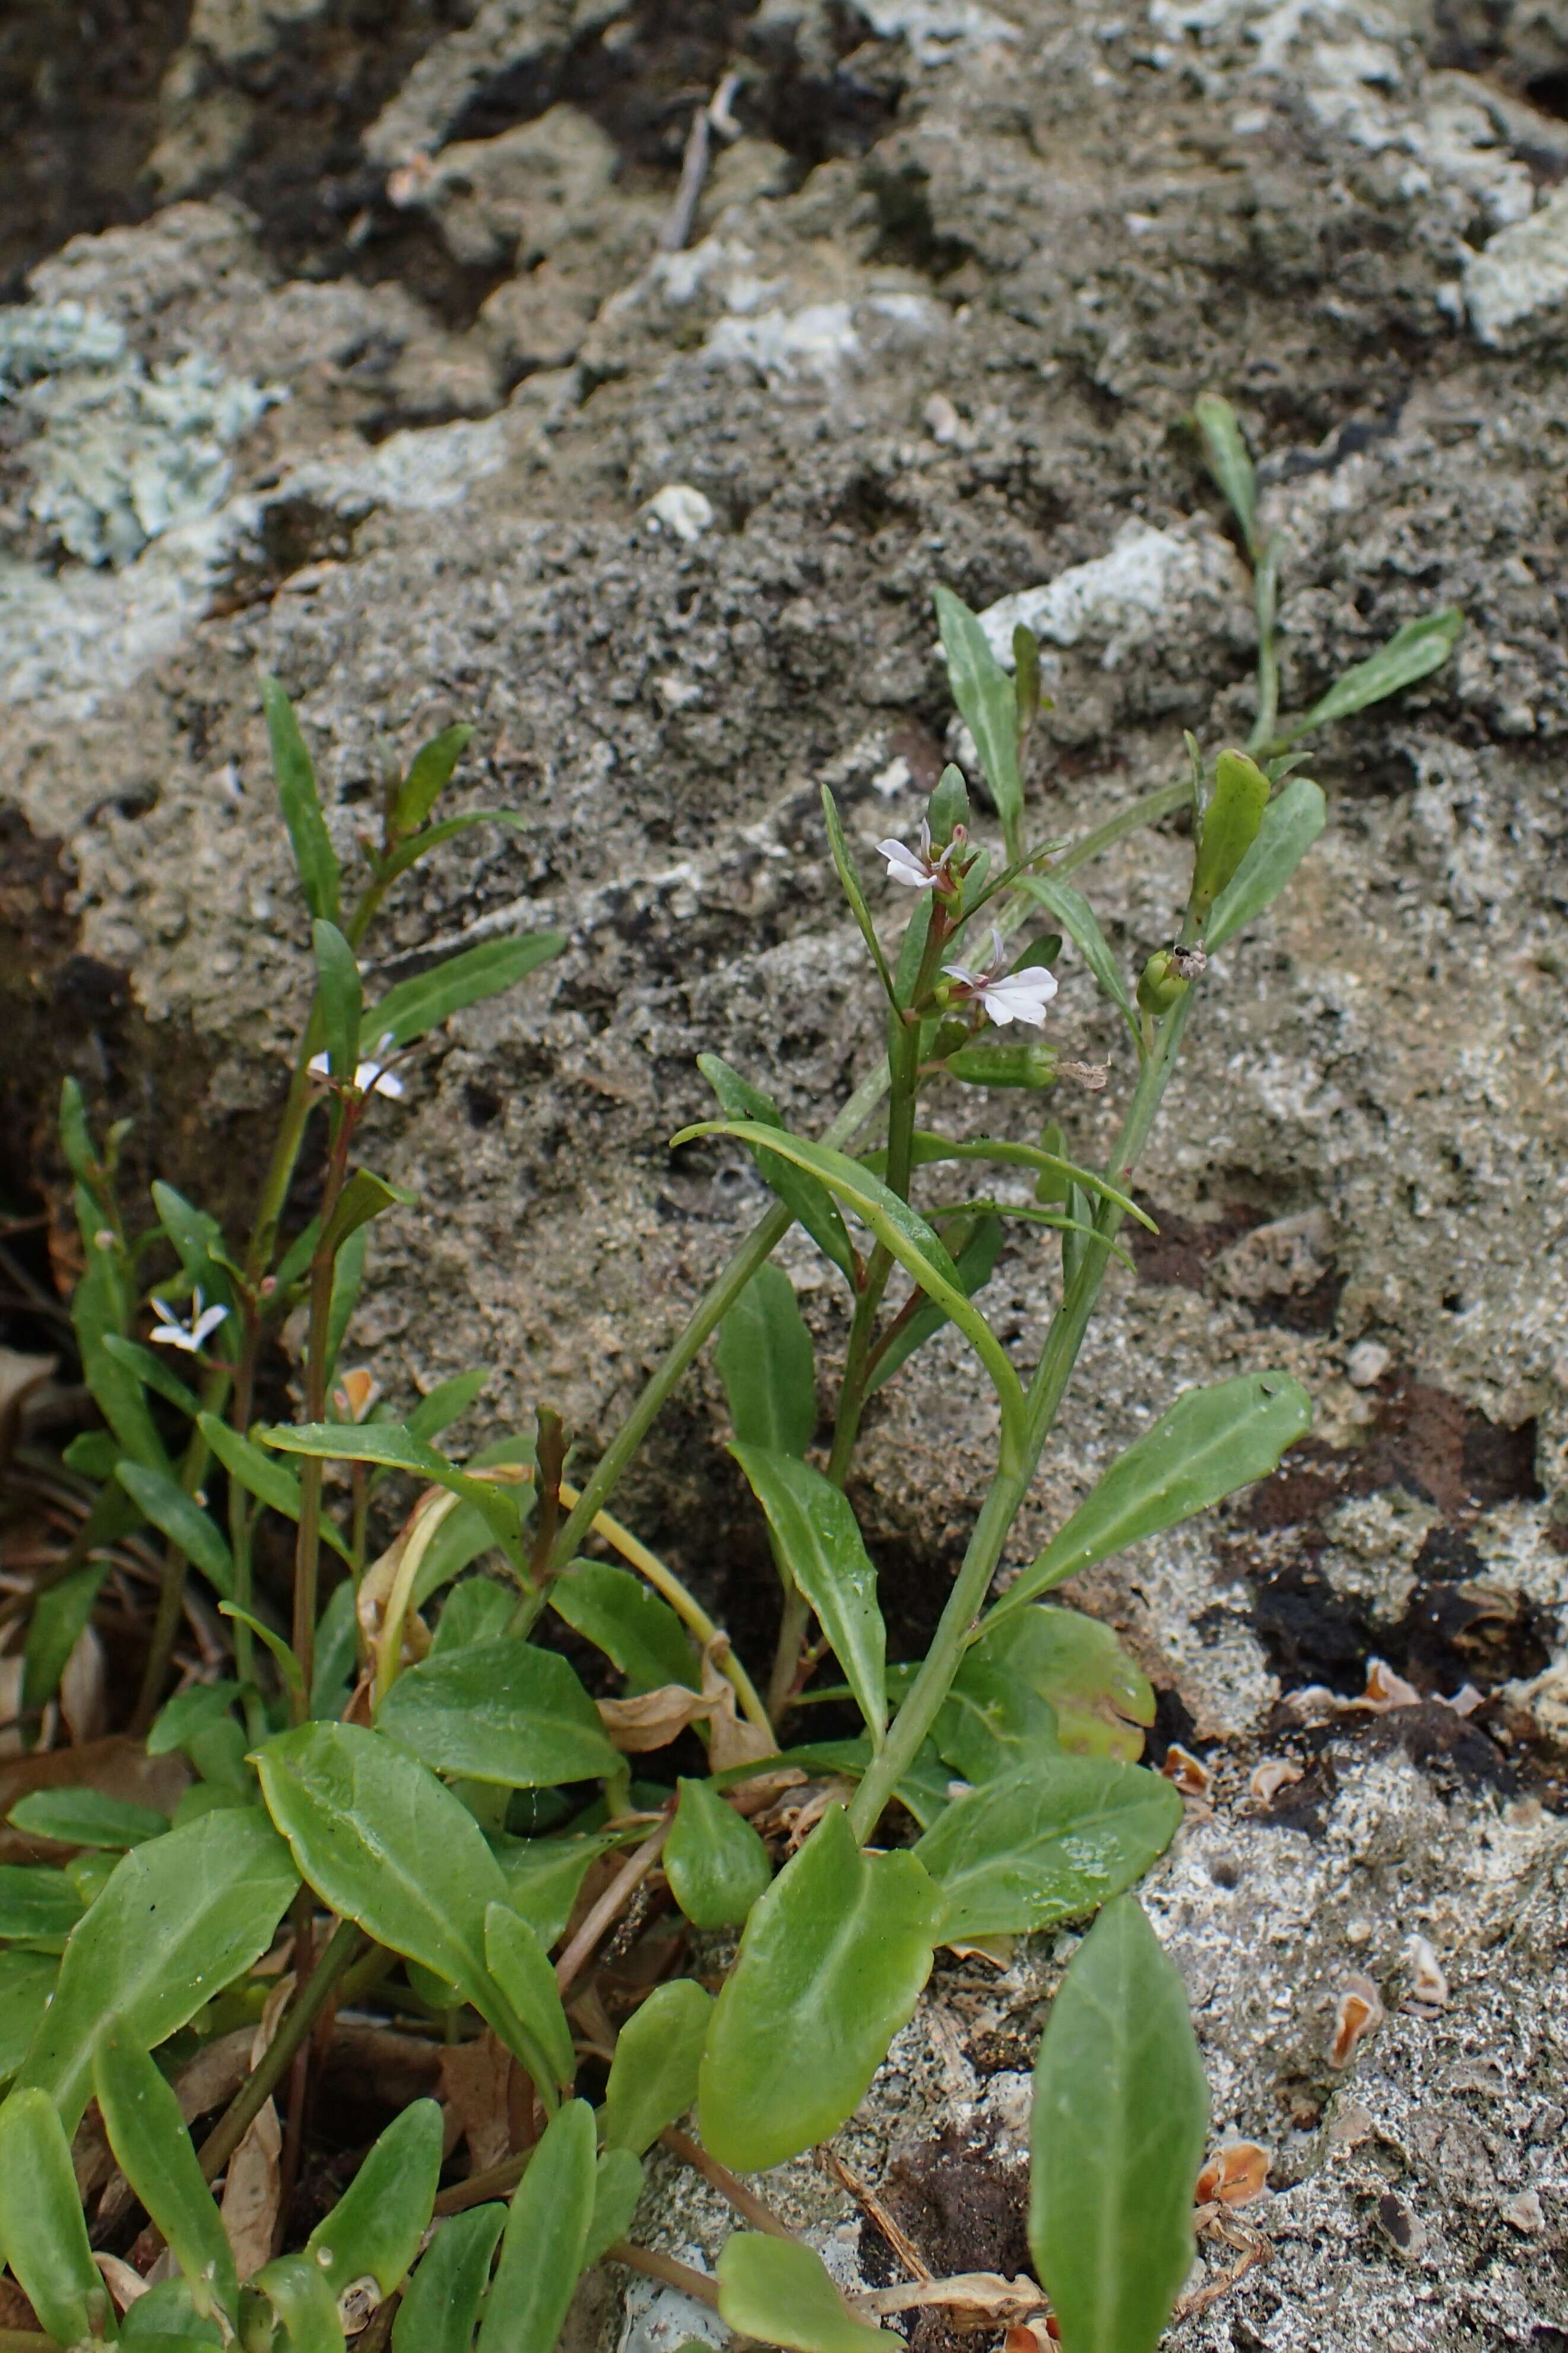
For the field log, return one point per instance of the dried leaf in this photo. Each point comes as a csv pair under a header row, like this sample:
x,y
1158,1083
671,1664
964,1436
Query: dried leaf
x,y
215,2073
1269,1776
476,2080
731,1740
1428,1985
1386,1690
1358,2013
124,2283
1233,2176
1190,1774
251,2192
654,1718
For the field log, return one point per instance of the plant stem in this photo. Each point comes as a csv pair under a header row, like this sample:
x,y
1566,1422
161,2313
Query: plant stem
x,y
609,1907
312,1471
278,2057
700,2285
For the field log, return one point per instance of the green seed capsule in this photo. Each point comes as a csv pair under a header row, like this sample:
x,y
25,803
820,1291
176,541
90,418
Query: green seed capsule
x,y
1229,827
1004,1066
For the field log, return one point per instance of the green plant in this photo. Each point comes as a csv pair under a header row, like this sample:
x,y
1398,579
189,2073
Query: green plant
x,y
403,1779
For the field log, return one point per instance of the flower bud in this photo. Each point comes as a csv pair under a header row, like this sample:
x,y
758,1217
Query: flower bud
x,y
948,808
1162,982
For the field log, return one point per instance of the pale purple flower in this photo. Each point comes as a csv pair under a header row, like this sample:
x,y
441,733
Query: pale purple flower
x,y
916,870
1006,996
170,1332
372,1077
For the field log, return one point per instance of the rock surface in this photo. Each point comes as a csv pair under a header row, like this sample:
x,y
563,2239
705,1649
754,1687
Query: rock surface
x,y
378,381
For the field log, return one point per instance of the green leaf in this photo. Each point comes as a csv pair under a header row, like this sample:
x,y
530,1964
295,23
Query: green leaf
x,y
337,1649
261,1475
654,2074
849,883
408,853
546,2237
197,1240
929,1149
61,1612
1291,823
348,1281
911,950
37,1900
1049,1842
948,807
984,695
1121,2111
900,1230
716,1863
339,996
780,2292
1209,1444
1100,1699
446,1402
417,1005
1229,461
429,774
1070,908
165,2320
150,1368
302,2307
1414,650
188,1713
543,1877
364,1197
179,1919
26,1984
396,1448
301,804
75,1135
820,1544
98,1308
93,1453
387,1844
811,1202
147,2132
80,1817
441,2308
159,1498
1227,828
992,1723
975,1262
479,1610
617,2187
43,2234
519,1966
505,1711
620,1616
376,2227
830,1965
765,1361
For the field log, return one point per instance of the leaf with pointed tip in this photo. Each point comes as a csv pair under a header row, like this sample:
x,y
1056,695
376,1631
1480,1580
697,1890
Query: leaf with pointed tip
x,y
767,1363
446,1402
364,1197
1229,461
159,1498
820,1544
1290,825
986,703
1414,650
152,2148
1071,910
1048,1842
975,1261
1121,2111
261,1475
849,883
391,1448
810,1202
339,998
415,1006
429,774
150,1369
408,853
301,805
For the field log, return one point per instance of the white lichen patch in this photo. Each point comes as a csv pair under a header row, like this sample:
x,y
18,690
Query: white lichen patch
x,y
1374,1544
1516,289
1121,599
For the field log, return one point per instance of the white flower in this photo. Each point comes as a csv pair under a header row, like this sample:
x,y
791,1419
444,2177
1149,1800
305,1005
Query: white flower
x,y
1006,996
372,1077
918,869
171,1333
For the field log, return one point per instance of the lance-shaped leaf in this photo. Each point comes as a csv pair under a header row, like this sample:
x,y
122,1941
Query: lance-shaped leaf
x,y
1049,1842
930,1148
1291,823
807,1200
364,1197
177,1920
716,1864
37,1901
1414,650
1102,1700
505,1712
441,2309
197,1237
387,1844
780,2292
408,853
617,1613
26,1986
261,1475
160,1499
1229,461
546,2238
850,882
1209,1444
986,702
43,2234
429,774
190,1713
337,999
653,2076
901,1231
519,1966
1121,2111
150,1368
1071,910
394,1448
376,2227
767,1365
446,1402
417,1005
147,2132
975,1261
831,1965
85,1817
301,805
618,2185
820,1544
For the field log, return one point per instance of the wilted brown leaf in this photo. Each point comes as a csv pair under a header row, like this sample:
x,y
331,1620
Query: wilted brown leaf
x,y
475,2080
654,1718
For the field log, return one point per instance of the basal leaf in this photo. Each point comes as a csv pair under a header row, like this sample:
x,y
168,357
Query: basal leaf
x,y
653,2076
517,1963
1414,650
505,1711
1209,1444
35,1900
1049,1842
617,2187
26,1986
831,1965
159,1498
993,1722
376,2225
619,1615
1121,2111
147,2132
546,2238
767,1363
415,1006
780,2292
85,1817
544,1877
43,2234
441,2309
1102,1700
716,1863
819,1541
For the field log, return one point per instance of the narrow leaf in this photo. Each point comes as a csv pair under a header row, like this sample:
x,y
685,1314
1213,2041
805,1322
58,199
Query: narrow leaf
x,y
1228,830
1229,461
767,1363
653,2076
415,1006
261,1475
975,1262
1209,1444
301,805
446,1402
810,1201
519,1966
441,2309
849,883
546,2238
1121,2111
190,1712
159,1498
831,1965
820,1543
1414,650
394,1448
1047,1843
43,2234
147,2132
1291,823
617,2187
87,1818
429,774
149,1367
983,693
26,1986
408,853
1070,908
780,2292
376,2225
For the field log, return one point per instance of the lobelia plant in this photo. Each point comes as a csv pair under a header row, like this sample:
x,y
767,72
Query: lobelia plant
x,y
403,1802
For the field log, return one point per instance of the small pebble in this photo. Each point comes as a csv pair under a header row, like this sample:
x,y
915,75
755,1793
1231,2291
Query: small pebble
x,y
1525,2213
1367,1363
